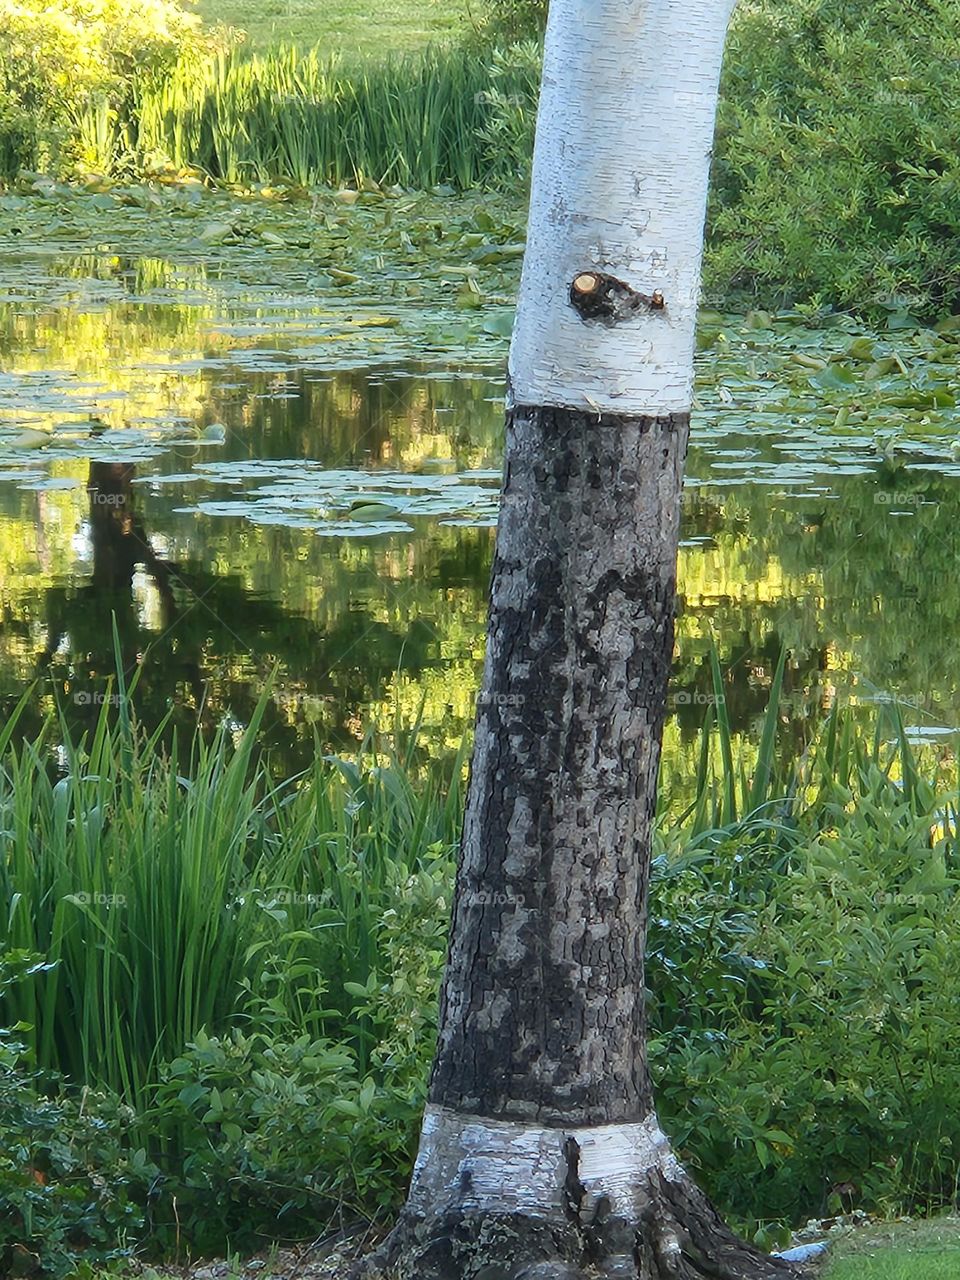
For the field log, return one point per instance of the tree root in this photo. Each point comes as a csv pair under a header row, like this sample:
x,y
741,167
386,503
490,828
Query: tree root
x,y
678,1235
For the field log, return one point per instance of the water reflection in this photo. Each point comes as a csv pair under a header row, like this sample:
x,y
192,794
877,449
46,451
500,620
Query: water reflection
x,y
209,608
150,390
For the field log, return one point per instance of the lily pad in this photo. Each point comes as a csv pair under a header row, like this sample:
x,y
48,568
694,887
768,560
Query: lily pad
x,y
364,510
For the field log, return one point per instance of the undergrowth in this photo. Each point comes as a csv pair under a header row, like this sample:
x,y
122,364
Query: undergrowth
x,y
220,990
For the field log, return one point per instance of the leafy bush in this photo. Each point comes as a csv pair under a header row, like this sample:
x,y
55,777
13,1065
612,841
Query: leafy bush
x,y
514,19
69,68
805,1040
803,990
274,1124
511,101
280,1136
67,1176
838,155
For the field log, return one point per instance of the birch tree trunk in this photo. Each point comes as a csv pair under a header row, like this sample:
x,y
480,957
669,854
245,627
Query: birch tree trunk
x,y
540,1154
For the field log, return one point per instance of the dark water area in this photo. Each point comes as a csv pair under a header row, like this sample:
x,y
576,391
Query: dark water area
x,y
255,490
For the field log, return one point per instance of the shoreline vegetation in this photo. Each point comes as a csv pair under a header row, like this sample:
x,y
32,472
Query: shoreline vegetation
x,y
280,940
282,944
829,189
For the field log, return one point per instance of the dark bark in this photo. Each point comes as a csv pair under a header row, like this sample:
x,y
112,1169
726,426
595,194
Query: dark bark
x,y
542,1011
542,1021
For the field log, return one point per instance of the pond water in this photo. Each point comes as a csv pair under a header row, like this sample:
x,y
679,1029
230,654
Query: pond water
x,y
251,483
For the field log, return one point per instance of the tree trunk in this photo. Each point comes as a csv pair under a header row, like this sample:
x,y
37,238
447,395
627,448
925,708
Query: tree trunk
x,y
540,1154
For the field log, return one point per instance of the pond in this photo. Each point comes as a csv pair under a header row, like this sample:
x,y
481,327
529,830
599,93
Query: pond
x,y
263,482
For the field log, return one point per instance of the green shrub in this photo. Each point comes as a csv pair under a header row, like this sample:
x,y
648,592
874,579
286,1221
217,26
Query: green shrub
x,y
282,1136
803,991
513,19
67,1176
838,156
805,1034
65,66
19,139
284,1130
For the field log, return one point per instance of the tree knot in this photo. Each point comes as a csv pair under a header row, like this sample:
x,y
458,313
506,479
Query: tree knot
x,y
597,296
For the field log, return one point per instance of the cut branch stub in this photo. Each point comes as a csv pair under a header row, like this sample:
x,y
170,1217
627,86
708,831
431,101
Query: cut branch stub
x,y
597,296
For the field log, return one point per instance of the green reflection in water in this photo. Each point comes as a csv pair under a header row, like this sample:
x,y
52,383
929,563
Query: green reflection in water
x,y
163,389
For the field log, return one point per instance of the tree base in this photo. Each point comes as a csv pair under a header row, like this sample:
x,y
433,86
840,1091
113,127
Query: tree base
x,y
677,1236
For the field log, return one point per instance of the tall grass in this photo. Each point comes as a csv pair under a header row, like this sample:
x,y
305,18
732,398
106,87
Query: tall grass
x,y
774,789
418,120
174,895
253,964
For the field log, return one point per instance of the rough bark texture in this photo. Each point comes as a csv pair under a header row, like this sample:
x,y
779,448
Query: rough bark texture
x,y
677,1235
540,1155
541,1014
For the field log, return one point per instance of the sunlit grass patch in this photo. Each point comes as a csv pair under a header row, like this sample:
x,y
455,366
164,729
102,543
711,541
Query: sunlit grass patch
x,y
922,1250
347,25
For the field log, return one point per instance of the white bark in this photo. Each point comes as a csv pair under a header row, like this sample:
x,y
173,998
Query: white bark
x,y
477,1164
621,167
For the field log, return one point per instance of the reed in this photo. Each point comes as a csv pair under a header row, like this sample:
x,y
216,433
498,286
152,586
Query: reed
x,y
176,895
418,121
173,895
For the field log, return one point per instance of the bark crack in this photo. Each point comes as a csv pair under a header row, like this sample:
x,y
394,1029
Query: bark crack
x,y
574,1192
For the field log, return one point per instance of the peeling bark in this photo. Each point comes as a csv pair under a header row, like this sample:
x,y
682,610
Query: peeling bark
x,y
669,1231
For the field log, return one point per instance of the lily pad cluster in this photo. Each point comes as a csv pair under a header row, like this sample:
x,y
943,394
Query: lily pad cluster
x,y
343,503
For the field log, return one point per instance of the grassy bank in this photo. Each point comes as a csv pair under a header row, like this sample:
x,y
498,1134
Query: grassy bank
x,y
349,27
281,944
897,1251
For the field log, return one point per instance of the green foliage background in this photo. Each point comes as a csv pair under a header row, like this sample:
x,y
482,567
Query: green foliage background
x,y
838,155
71,69
801,971
836,177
